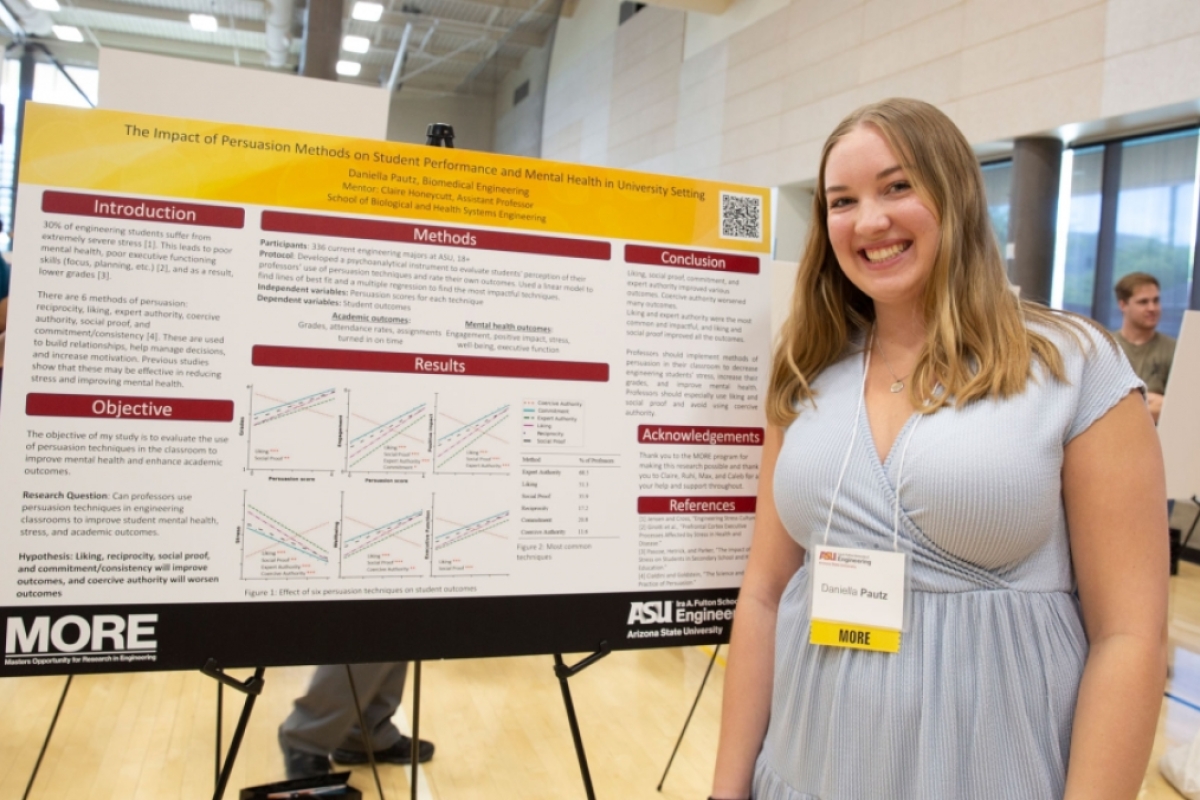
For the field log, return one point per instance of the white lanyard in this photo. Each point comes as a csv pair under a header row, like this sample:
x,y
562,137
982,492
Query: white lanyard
x,y
859,594
850,450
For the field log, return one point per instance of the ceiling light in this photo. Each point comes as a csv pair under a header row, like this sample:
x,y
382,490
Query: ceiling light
x,y
349,68
356,44
368,12
68,33
46,5
203,22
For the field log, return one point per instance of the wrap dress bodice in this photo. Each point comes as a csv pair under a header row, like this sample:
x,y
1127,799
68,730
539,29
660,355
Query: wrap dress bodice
x,y
980,699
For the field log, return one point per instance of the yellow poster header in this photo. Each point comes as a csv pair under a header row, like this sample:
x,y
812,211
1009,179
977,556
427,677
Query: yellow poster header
x,y
138,154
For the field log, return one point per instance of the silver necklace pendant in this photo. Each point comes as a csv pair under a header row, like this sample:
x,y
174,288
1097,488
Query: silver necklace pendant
x,y
897,387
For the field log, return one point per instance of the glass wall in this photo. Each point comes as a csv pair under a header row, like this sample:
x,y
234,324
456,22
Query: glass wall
x,y
1156,219
997,183
1083,228
49,86
1130,206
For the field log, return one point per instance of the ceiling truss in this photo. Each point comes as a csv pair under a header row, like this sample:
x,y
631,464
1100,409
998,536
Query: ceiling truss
x,y
463,46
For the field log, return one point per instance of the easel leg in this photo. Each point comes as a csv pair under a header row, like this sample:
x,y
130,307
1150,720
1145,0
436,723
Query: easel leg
x,y
368,745
46,743
252,687
416,727
220,711
1191,530
688,721
563,672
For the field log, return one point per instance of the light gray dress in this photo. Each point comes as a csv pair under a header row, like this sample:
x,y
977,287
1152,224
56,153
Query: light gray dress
x,y
979,701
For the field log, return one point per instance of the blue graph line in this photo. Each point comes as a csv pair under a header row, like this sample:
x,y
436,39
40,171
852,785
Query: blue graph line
x,y
400,521
389,422
291,402
469,424
285,544
478,522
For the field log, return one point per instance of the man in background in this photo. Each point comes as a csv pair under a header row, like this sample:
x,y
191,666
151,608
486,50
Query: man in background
x,y
1150,353
324,722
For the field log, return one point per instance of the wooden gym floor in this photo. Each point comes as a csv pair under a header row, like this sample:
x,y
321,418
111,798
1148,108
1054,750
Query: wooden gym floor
x,y
499,726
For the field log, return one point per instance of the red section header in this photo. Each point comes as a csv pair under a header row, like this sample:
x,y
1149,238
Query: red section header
x,y
418,363
699,434
136,210
349,228
697,505
690,259
103,406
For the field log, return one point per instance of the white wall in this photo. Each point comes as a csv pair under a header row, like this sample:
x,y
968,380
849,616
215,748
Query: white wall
x,y
518,128
755,105
173,87
472,118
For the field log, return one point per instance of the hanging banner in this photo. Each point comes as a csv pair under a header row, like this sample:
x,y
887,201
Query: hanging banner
x,y
283,398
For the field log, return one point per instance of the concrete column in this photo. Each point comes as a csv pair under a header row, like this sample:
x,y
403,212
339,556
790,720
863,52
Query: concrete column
x,y
322,39
1037,164
1104,304
24,94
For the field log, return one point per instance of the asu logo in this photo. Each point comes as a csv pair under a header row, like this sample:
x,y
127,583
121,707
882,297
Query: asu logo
x,y
650,613
828,556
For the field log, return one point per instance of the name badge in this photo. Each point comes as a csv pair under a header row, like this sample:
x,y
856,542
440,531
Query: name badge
x,y
857,598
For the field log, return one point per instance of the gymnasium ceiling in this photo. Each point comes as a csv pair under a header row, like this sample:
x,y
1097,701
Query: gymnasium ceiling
x,y
460,46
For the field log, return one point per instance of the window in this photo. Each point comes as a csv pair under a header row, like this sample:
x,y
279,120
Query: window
x,y
1156,219
49,86
521,92
997,184
1082,197
1128,206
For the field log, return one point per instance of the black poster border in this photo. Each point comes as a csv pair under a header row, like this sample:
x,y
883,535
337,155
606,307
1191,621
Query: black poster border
x,y
185,636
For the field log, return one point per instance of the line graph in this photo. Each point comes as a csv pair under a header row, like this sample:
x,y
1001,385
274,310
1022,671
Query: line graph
x,y
470,538
473,444
290,407
293,429
274,545
380,541
388,441
464,532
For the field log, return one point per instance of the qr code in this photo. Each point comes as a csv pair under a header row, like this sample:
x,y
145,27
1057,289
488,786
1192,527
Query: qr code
x,y
741,217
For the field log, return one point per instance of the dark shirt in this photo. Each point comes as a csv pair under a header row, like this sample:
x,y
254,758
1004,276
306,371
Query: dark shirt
x,y
1151,361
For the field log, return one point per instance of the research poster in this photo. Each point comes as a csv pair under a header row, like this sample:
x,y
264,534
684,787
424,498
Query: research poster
x,y
282,398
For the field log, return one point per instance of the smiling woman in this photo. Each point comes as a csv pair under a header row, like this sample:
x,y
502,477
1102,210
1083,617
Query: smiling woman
x,y
883,233
982,472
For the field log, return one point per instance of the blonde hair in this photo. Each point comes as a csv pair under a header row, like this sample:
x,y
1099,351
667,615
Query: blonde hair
x,y
978,343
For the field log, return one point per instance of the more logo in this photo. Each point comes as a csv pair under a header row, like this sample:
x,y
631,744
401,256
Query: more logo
x,y
102,633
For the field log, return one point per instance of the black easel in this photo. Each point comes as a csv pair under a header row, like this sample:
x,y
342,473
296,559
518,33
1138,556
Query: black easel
x,y
1191,530
364,734
416,723
439,134
251,687
688,721
53,721
563,672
